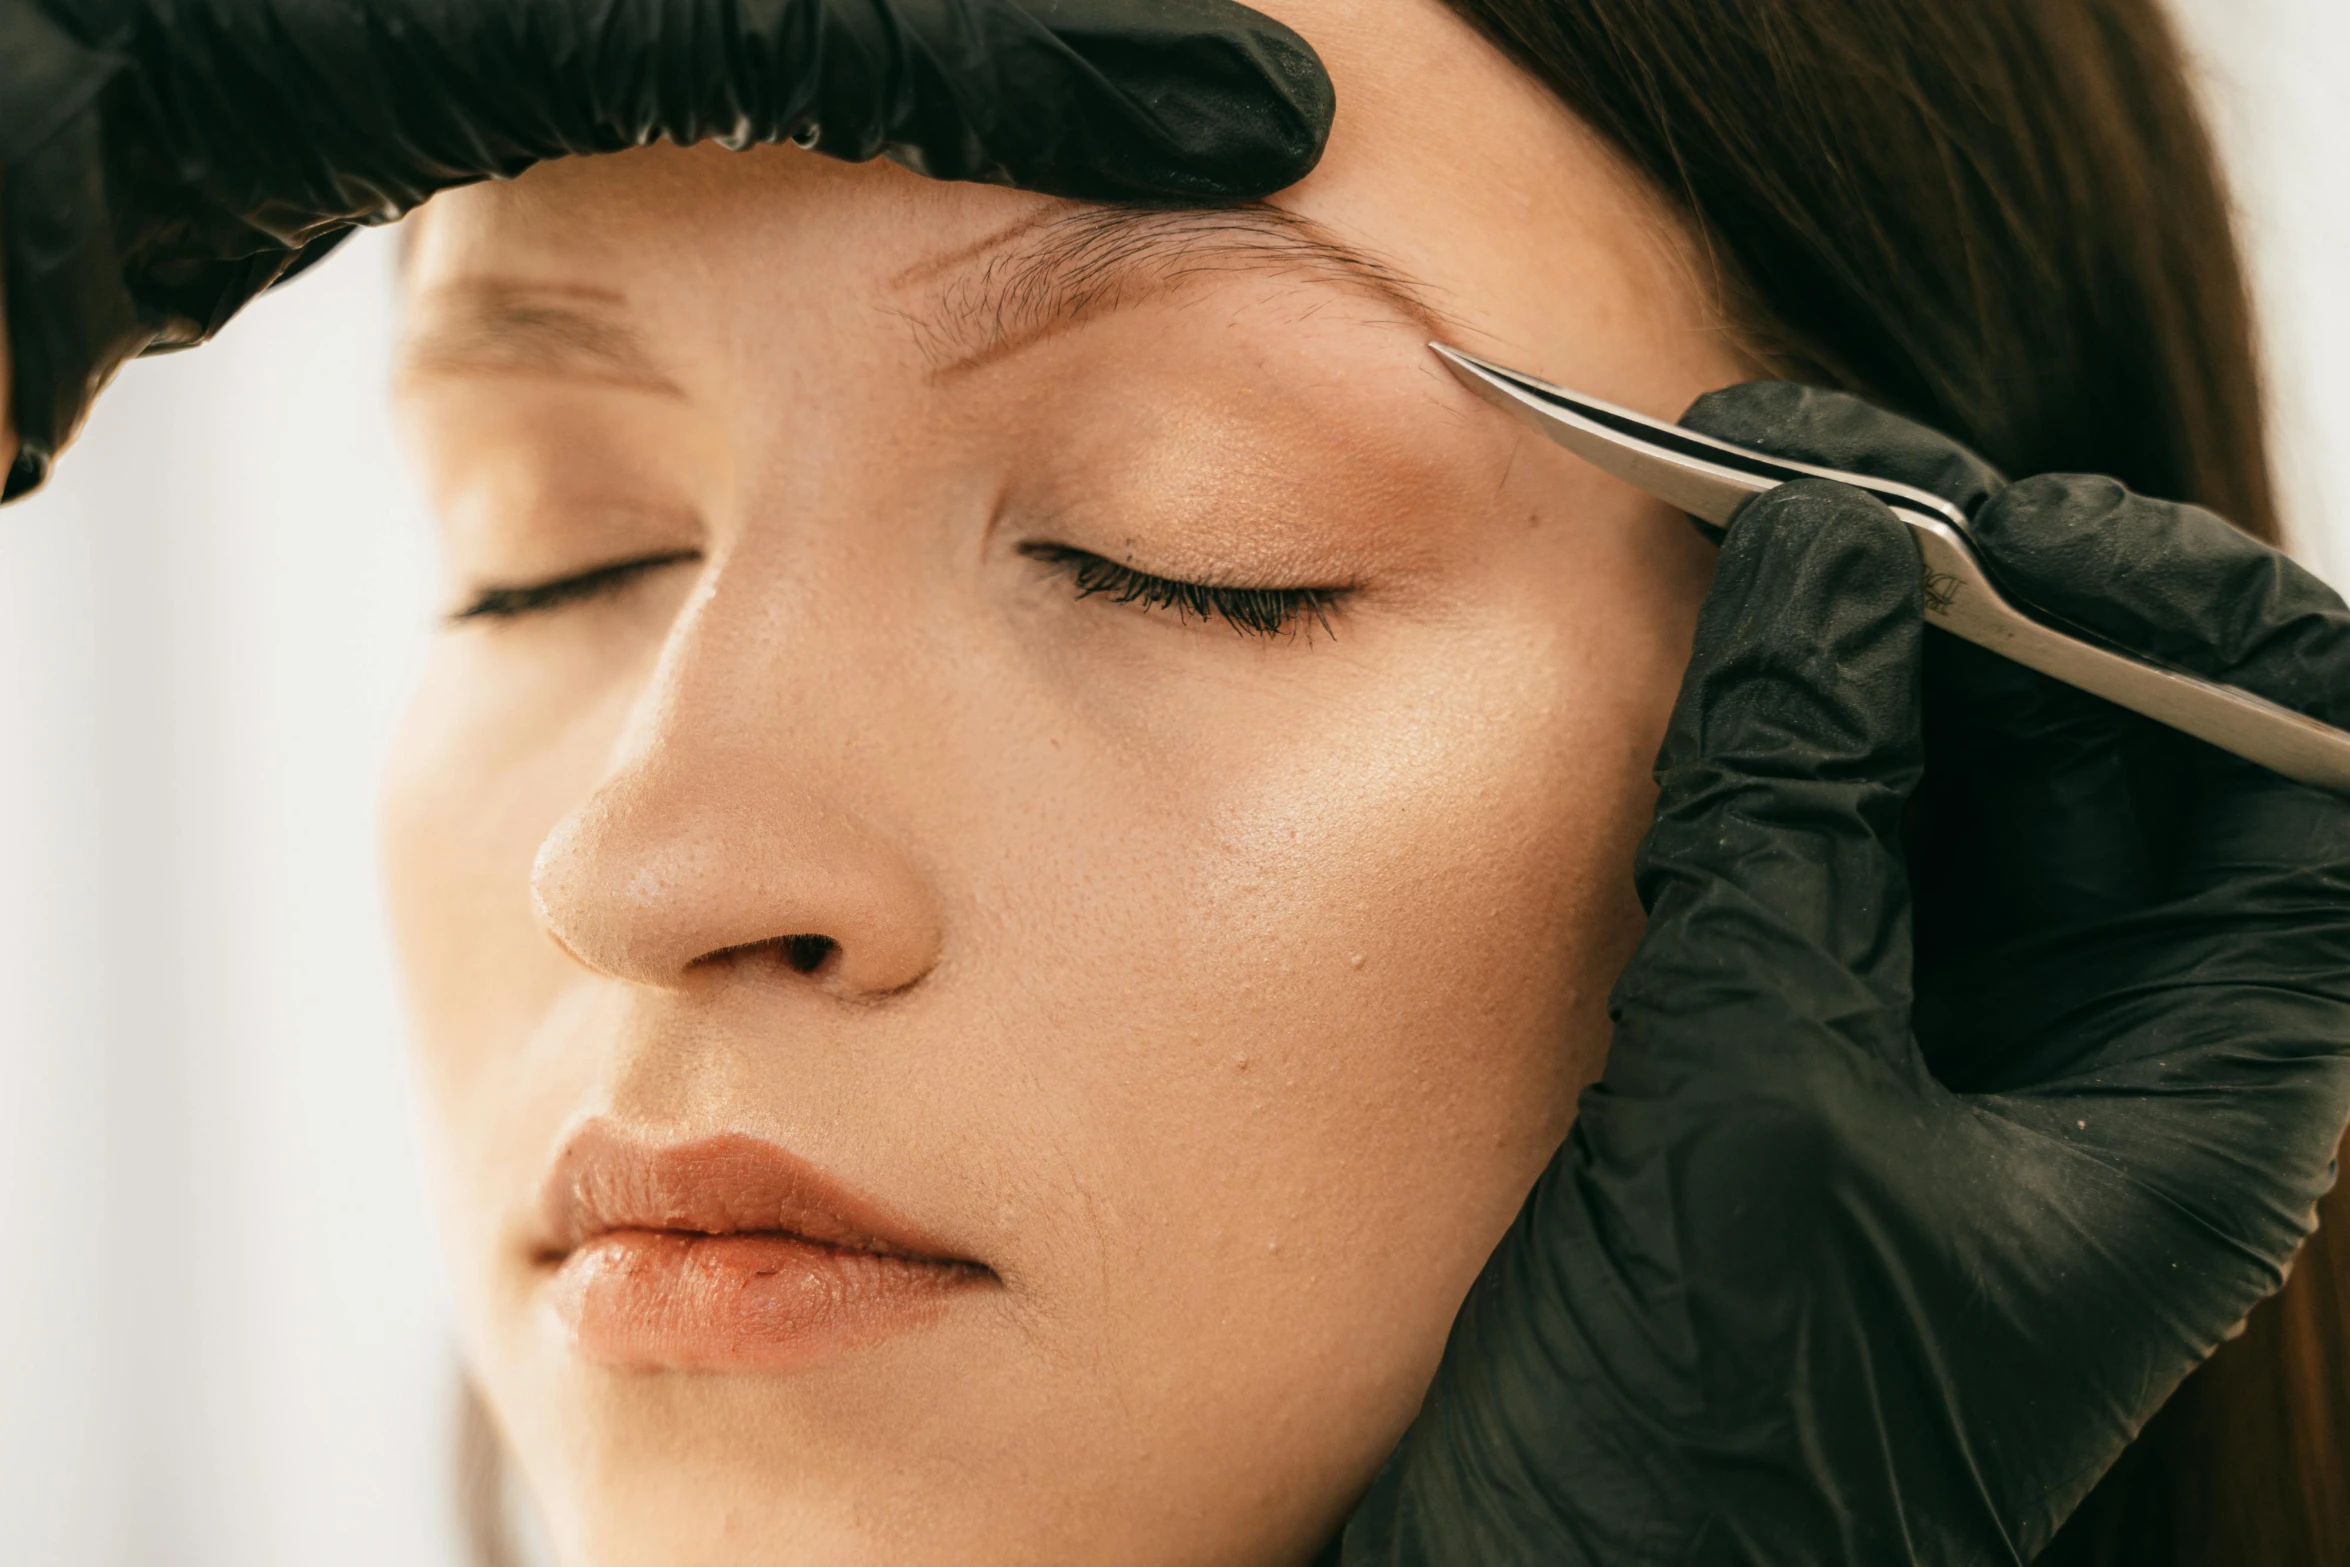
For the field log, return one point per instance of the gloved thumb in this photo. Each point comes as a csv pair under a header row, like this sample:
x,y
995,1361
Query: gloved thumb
x,y
1774,863
1838,430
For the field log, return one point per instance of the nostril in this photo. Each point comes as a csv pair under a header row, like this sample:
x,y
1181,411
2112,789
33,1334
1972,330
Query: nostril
x,y
800,954
807,954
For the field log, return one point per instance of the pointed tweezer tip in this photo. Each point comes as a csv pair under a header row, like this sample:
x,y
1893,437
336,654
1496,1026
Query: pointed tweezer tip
x,y
1474,370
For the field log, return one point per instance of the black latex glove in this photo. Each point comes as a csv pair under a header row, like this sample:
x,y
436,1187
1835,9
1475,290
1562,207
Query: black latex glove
x,y
1881,1236
166,160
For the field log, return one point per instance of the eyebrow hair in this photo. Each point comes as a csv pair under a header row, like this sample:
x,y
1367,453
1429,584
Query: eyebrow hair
x,y
1018,286
1047,274
511,324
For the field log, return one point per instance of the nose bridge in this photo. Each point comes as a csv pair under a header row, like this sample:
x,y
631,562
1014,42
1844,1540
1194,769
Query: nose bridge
x,y
776,661
746,818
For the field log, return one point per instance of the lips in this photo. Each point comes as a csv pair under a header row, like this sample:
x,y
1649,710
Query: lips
x,y
728,1253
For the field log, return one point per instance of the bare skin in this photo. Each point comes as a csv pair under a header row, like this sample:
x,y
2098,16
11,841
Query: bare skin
x,y
1217,995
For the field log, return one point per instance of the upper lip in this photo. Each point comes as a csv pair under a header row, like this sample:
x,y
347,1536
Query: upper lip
x,y
728,1184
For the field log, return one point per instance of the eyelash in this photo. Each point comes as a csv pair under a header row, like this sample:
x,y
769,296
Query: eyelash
x,y
510,603
1254,612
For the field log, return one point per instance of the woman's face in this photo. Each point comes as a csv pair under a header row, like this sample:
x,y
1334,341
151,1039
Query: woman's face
x,y
927,1064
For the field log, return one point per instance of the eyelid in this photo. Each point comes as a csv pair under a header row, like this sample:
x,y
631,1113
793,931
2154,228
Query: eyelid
x,y
1251,611
509,601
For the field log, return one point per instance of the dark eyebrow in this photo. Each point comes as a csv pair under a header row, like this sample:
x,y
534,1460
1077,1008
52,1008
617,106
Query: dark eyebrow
x,y
1072,265
489,324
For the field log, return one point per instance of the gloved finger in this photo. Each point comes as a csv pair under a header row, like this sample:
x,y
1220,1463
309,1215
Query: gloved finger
x,y
1103,100
2179,585
2173,583
164,158
360,111
69,322
2037,811
2254,871
1837,430
1772,872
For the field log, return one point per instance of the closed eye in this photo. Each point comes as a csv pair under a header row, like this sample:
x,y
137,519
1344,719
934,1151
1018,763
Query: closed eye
x,y
510,601
1256,612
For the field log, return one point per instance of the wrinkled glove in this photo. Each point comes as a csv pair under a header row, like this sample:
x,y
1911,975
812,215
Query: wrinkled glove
x,y
1897,1212
166,160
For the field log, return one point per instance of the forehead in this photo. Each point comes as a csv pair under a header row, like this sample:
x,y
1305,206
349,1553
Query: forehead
x,y
1449,171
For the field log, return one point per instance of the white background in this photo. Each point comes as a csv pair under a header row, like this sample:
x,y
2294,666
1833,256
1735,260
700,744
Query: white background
x,y
223,1340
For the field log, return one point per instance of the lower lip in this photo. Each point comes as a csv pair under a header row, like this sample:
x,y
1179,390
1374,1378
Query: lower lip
x,y
659,1299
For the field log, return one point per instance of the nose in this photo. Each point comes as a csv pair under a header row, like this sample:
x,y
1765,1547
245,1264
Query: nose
x,y
700,853
651,884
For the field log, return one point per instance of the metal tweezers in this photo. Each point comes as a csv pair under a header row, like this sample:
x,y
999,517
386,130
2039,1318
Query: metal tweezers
x,y
1711,479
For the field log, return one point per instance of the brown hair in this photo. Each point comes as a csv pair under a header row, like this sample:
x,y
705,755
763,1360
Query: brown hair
x,y
2002,218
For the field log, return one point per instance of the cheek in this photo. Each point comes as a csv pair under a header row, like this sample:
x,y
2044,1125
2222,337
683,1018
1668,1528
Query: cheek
x,y
1407,903
511,727
1416,945
486,764
1320,1008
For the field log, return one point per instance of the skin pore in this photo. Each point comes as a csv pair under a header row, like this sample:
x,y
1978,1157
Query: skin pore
x,y
1207,962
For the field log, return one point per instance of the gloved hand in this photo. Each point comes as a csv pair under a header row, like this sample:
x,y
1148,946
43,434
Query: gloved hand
x,y
1884,1231
163,161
